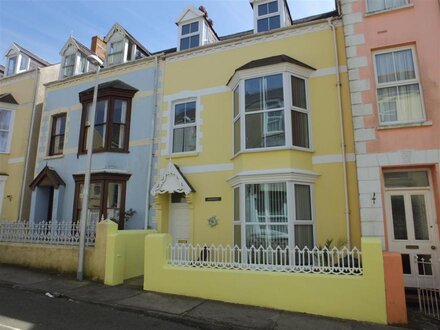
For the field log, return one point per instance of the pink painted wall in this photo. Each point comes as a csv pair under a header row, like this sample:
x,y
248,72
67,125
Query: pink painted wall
x,y
418,25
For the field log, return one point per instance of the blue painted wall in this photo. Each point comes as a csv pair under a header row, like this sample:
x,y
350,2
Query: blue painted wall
x,y
135,162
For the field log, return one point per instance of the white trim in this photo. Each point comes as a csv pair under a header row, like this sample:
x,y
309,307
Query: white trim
x,y
171,181
16,160
207,168
332,70
274,175
336,158
196,124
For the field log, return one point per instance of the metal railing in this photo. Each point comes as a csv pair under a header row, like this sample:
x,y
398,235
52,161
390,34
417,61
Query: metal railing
x,y
429,295
57,233
290,260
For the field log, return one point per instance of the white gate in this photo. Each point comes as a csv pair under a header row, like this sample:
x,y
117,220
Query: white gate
x,y
428,288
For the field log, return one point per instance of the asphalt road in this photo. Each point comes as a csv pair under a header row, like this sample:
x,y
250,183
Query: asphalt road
x,y
34,311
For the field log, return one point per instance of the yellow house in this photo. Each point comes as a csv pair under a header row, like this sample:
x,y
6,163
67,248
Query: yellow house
x,y
256,136
21,99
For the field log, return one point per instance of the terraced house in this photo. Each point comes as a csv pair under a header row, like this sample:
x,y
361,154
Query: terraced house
x,y
123,133
21,101
258,149
394,77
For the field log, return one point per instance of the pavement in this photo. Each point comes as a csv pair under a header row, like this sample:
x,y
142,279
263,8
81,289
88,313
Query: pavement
x,y
195,312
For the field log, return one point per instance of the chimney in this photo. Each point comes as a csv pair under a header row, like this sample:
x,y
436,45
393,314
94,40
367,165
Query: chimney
x,y
98,47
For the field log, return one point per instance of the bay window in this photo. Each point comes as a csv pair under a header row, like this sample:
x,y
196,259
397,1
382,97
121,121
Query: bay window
x,y
106,197
398,88
271,112
112,117
184,127
273,215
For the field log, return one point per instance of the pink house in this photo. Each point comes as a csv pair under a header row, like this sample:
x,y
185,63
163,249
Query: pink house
x,y
393,56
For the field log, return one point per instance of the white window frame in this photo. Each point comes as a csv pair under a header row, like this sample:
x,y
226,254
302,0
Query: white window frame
x,y
3,179
17,61
10,131
385,8
196,124
191,34
399,83
21,58
258,17
64,66
291,209
288,108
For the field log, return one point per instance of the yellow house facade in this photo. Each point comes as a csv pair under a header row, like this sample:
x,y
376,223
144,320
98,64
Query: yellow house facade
x,y
21,99
256,144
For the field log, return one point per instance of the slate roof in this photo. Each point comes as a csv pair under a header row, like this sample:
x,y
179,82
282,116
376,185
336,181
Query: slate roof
x,y
32,55
116,84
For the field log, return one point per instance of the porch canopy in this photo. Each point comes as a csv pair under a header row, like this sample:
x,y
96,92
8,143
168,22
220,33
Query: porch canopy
x,y
172,181
47,178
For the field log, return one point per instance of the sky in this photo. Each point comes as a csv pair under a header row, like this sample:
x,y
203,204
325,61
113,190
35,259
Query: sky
x,y
43,26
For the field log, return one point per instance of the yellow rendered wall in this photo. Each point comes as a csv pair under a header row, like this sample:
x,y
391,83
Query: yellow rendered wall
x,y
359,298
207,83
59,258
124,256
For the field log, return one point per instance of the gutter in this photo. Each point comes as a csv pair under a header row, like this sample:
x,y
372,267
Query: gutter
x,y
341,124
28,147
151,155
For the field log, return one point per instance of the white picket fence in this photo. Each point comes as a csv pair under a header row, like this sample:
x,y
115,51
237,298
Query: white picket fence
x,y
57,233
318,261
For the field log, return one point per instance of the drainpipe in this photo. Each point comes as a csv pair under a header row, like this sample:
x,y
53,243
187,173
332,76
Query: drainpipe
x,y
28,147
341,124
150,156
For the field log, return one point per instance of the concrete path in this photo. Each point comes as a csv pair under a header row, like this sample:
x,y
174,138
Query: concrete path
x,y
201,313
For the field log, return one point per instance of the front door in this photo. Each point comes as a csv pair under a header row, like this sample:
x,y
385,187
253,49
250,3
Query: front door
x,y
412,231
179,218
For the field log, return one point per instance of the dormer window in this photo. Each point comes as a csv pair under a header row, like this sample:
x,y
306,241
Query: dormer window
x,y
190,36
19,59
268,16
24,63
12,63
17,64
116,52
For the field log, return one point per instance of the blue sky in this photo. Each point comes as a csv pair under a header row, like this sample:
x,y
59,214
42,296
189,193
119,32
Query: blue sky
x,y
43,26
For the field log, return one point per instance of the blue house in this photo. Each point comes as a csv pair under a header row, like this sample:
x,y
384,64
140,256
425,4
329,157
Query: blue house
x,y
122,168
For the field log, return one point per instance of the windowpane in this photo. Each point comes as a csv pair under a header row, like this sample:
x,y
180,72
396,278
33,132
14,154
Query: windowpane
x,y
185,29
185,113
118,136
262,9
399,217
406,179
254,130
5,122
304,236
94,201
24,62
236,102
254,94
298,92
404,65
194,41
303,205
385,68
272,7
387,98
99,136
83,64
274,22
237,235
419,217
406,264
273,98
194,27
424,264
119,111
300,129
263,25
184,43
114,194
60,124
410,103
57,135
58,145
236,204
12,62
237,136
184,139
274,135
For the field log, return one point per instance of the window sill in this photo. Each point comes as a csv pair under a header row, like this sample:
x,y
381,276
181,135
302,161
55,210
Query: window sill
x,y
407,125
272,149
185,154
379,12
54,157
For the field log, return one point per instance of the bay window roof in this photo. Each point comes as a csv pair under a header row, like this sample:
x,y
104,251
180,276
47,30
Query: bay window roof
x,y
110,86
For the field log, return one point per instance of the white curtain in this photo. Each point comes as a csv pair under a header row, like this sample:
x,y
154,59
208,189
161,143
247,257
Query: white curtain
x,y
404,65
410,103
